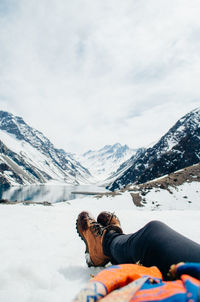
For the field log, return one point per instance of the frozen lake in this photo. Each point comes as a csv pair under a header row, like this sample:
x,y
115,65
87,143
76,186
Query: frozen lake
x,y
51,193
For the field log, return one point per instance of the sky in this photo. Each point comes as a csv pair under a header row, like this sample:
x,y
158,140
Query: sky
x,y
93,72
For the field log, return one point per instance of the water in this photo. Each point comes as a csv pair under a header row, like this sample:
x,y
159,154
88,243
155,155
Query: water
x,y
50,193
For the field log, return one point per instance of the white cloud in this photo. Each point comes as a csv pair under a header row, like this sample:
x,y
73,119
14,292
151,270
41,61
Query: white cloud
x,y
89,72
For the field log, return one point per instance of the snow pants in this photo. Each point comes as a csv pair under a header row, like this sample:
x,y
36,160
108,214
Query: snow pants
x,y
155,244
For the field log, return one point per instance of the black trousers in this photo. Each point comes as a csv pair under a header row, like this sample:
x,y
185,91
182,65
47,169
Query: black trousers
x,y
154,244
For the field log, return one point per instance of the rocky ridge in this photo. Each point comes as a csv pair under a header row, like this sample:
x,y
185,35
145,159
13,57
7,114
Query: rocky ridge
x,y
28,157
177,149
169,182
104,162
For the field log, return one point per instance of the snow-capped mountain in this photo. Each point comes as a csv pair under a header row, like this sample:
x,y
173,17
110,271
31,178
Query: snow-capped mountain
x,y
28,157
177,149
124,166
104,162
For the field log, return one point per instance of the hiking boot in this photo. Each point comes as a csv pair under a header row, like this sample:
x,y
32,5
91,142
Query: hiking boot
x,y
92,233
108,220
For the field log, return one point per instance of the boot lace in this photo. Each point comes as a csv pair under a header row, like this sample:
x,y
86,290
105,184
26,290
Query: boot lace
x,y
97,229
111,217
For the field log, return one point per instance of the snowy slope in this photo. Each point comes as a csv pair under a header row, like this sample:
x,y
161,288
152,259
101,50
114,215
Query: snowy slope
x,y
178,148
184,197
104,162
42,257
178,190
27,156
124,166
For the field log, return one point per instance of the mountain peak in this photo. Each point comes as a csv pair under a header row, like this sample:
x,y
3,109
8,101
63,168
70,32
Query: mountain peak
x,y
177,149
30,157
117,145
105,161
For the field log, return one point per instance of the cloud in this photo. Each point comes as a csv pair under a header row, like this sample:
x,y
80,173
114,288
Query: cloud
x,y
89,73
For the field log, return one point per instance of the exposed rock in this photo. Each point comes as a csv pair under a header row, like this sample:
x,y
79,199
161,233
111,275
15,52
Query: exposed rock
x,y
177,149
28,157
27,202
189,174
137,199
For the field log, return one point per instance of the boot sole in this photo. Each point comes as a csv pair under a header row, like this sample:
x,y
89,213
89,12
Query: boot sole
x,y
89,263
87,250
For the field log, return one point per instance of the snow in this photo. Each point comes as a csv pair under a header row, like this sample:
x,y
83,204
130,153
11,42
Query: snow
x,y
104,162
30,154
171,143
189,121
42,257
184,197
37,159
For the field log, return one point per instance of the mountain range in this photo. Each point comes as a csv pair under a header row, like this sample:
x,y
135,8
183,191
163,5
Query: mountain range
x,y
28,157
104,162
177,149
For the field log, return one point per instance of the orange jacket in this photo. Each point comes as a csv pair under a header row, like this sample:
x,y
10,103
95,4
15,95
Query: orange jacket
x,y
132,282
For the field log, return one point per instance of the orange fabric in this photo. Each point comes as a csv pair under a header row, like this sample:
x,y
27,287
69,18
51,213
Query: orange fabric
x,y
120,275
191,279
162,292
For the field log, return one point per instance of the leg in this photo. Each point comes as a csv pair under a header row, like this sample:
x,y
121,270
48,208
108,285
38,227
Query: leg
x,y
154,244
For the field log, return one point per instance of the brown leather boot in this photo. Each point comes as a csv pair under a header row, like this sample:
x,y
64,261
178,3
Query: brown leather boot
x,y
92,233
108,219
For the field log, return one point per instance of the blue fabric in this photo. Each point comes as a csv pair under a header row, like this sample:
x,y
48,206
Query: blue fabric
x,y
191,269
191,284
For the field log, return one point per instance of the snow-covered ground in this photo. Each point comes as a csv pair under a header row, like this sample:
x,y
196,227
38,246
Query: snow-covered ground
x,y
184,197
41,255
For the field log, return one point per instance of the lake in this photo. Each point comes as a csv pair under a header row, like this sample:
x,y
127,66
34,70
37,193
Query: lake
x,y
50,193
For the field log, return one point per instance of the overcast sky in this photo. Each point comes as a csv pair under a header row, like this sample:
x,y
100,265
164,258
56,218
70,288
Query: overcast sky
x,y
93,72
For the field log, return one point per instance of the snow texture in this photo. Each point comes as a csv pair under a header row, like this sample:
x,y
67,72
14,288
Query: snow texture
x,y
28,157
42,257
104,162
177,149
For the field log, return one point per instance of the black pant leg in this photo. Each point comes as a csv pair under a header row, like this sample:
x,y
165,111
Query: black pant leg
x,y
154,244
